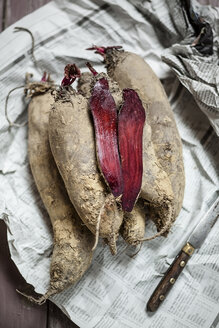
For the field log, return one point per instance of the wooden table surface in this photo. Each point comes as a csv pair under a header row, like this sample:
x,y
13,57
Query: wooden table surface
x,y
15,310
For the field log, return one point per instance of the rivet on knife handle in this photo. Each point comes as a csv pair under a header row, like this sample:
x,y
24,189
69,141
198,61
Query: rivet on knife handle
x,y
170,277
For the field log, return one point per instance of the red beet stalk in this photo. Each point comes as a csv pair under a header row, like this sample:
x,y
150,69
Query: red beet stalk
x,y
130,127
104,112
102,50
71,73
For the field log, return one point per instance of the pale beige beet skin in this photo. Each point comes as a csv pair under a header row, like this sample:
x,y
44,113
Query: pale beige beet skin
x,y
72,142
156,191
156,187
87,81
84,84
131,71
133,227
73,242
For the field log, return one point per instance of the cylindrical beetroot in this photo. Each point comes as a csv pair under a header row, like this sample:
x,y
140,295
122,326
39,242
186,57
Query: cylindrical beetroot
x,y
73,145
72,252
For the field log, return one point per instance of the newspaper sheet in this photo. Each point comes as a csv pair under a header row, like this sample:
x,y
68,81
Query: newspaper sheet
x,y
198,73
114,291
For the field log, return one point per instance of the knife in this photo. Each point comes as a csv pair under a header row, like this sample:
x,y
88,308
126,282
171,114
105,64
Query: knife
x,y
195,241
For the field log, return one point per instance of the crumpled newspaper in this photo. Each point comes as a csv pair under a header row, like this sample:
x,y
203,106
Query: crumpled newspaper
x,y
197,72
115,290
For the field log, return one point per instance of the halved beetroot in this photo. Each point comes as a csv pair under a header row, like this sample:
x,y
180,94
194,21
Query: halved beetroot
x,y
130,133
104,112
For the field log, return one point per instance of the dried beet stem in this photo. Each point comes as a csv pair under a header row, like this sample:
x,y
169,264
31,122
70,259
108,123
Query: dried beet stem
x,y
103,50
41,300
18,29
6,108
91,68
71,72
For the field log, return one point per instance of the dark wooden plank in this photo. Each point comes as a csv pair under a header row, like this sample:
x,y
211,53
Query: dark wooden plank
x,y
213,3
57,319
3,8
15,310
1,14
17,9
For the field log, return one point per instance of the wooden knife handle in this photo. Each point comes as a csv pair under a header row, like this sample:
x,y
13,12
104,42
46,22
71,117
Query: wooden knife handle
x,y
169,278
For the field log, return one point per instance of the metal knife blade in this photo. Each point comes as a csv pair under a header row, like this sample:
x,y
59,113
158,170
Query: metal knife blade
x,y
195,240
202,229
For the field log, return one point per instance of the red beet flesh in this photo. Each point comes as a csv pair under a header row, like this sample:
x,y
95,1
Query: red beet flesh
x,y
130,127
103,109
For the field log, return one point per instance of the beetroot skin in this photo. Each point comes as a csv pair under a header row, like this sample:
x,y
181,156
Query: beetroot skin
x,y
104,112
130,126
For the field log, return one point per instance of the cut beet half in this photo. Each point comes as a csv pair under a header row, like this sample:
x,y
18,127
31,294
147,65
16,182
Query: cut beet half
x,y
104,112
130,132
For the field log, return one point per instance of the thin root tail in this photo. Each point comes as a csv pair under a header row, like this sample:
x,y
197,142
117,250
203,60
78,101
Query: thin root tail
x,y
98,225
112,244
139,248
165,228
38,301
